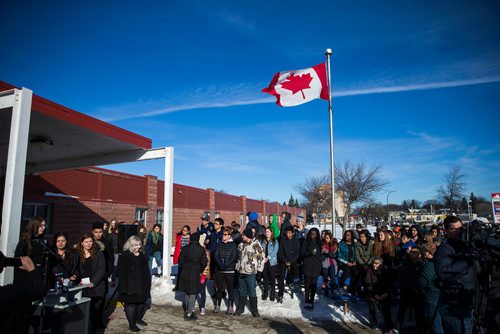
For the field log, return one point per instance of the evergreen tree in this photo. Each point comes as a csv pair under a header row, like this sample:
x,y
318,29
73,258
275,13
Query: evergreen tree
x,y
404,206
463,205
284,203
473,201
291,201
297,205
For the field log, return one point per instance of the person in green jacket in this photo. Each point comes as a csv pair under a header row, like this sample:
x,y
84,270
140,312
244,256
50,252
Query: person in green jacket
x,y
273,225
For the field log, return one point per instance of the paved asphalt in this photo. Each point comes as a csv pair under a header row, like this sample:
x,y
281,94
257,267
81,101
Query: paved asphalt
x,y
169,319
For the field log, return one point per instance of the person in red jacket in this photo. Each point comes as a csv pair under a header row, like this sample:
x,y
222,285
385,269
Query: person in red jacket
x,y
182,239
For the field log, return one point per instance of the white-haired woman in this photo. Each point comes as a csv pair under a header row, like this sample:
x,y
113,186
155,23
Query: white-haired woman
x,y
134,283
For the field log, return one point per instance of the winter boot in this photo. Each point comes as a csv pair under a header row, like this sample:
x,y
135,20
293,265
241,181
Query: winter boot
x,y
230,309
253,307
272,296
264,295
280,298
241,305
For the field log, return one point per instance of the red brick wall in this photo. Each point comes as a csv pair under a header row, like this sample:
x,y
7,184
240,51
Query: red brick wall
x,y
99,194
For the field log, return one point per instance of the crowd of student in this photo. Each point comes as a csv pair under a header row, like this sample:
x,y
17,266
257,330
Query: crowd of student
x,y
392,267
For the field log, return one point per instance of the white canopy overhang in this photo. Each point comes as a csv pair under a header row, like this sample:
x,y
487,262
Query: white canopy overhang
x,y
40,135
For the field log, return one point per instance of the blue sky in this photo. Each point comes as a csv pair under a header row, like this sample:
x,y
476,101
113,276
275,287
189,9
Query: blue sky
x,y
416,85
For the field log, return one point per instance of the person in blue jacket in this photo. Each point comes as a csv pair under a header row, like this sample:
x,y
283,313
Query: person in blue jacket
x,y
271,247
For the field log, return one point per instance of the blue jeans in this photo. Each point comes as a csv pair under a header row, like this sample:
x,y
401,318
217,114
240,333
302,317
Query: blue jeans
x,y
157,257
456,320
247,285
328,274
430,306
201,297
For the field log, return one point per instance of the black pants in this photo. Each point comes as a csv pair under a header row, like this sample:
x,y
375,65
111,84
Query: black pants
x,y
410,299
349,272
134,313
310,286
96,313
286,273
385,307
228,280
269,276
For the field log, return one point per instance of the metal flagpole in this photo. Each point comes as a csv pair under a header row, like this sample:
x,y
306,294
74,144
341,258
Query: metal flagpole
x,y
328,54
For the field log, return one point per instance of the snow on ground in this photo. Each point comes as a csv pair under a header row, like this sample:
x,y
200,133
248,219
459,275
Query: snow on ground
x,y
324,308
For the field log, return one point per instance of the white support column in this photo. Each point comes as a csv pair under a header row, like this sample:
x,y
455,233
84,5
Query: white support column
x,y
14,174
168,212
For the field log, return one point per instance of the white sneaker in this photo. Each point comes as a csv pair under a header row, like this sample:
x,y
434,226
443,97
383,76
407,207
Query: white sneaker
x,y
202,311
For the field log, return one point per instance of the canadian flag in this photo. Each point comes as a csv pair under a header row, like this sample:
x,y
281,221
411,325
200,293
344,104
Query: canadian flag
x,y
293,88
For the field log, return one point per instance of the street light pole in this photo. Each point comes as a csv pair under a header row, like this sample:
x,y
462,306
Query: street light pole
x,y
387,203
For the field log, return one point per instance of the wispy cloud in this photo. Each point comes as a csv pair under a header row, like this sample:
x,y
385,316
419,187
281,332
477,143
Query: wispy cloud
x,y
227,96
419,86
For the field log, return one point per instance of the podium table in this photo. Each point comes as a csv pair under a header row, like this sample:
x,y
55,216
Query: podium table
x,y
68,314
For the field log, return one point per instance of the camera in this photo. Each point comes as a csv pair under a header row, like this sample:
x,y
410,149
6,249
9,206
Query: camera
x,y
9,262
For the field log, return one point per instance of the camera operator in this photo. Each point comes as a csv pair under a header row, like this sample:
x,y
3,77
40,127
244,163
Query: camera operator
x,y
16,306
457,274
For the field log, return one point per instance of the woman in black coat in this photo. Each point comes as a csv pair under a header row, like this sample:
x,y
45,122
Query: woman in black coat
x,y
32,244
192,262
134,285
93,267
312,264
225,256
65,262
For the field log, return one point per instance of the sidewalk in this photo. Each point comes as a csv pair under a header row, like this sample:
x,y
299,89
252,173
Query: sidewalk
x,y
169,319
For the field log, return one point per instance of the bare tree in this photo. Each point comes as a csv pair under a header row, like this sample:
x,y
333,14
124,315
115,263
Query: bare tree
x,y
452,191
316,194
357,183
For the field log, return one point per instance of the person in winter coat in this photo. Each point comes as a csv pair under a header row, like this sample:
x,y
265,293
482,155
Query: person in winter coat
x,y
201,297
273,225
329,270
405,247
416,234
347,261
363,251
250,260
411,296
458,277
105,246
428,284
378,294
134,285
154,248
66,260
384,248
93,267
288,255
253,223
270,246
312,258
192,262
182,239
31,244
225,257
285,216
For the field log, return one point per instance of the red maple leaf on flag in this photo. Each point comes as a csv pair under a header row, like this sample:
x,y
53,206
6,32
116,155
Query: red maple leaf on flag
x,y
297,83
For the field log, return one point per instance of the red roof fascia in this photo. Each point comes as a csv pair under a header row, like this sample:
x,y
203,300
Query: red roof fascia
x,y
52,109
